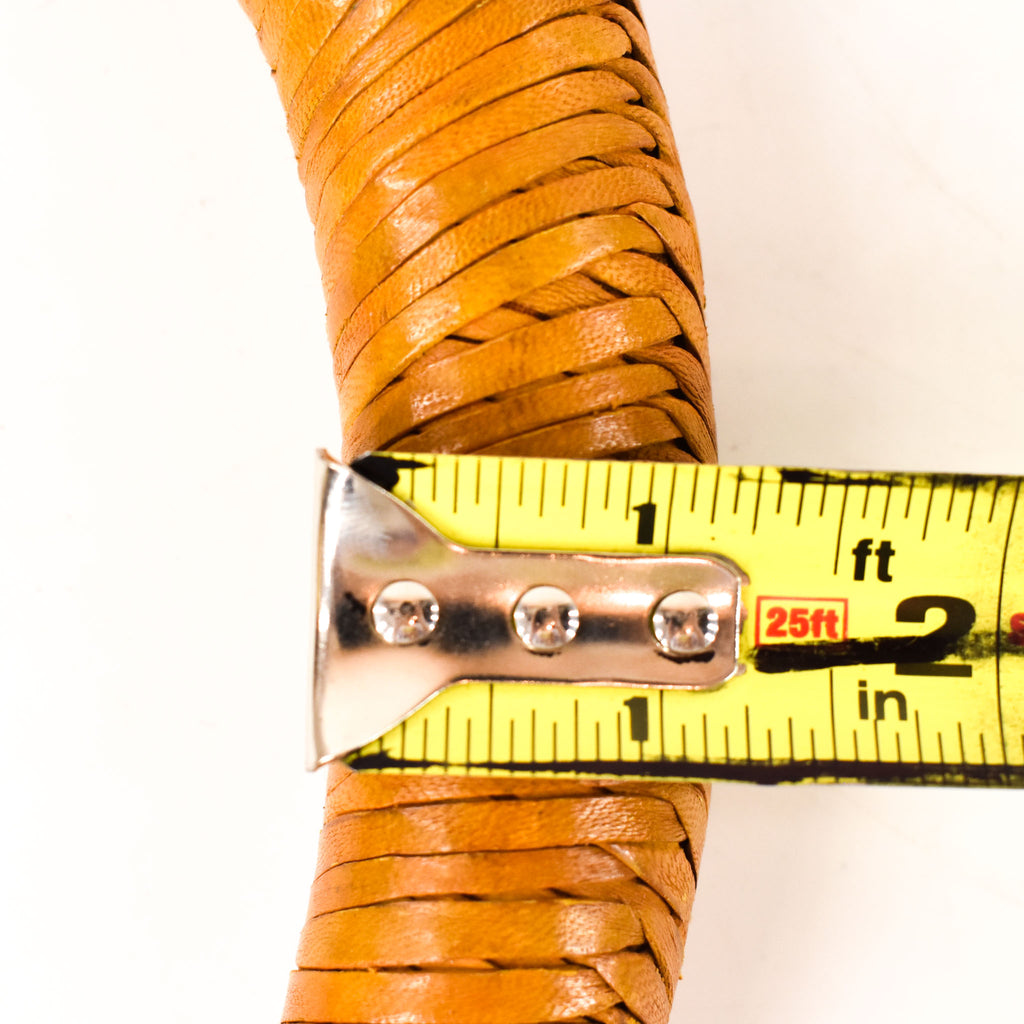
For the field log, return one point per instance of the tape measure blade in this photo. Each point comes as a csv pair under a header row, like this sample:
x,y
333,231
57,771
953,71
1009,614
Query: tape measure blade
x,y
486,728
884,638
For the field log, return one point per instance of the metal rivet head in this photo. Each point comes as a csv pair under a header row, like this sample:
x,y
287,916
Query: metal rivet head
x,y
405,612
684,623
546,619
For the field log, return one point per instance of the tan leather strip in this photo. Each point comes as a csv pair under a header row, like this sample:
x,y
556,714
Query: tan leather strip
x,y
316,43
522,825
510,265
643,80
635,976
484,996
603,434
577,869
641,43
476,427
347,791
634,274
436,931
296,37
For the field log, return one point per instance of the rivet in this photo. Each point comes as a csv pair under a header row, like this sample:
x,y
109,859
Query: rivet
x,y
546,619
404,613
684,623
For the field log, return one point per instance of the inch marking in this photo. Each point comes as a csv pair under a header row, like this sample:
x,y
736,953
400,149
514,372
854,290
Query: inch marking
x,y
575,730
928,509
668,526
999,622
757,499
497,509
490,722
842,516
995,497
586,487
832,713
970,509
661,722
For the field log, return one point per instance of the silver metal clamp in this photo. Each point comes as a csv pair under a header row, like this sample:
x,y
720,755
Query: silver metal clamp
x,y
402,612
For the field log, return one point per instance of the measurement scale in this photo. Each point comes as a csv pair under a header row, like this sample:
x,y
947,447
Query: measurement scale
x,y
878,632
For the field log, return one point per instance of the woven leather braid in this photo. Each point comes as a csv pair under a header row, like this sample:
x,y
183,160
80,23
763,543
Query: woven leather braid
x,y
498,902
510,266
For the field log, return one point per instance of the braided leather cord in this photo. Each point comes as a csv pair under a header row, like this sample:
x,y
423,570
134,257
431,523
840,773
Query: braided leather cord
x,y
511,266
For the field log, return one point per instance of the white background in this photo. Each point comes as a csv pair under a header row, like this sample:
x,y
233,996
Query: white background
x,y
858,173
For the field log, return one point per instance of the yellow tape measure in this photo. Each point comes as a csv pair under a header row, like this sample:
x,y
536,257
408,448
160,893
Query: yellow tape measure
x,y
883,638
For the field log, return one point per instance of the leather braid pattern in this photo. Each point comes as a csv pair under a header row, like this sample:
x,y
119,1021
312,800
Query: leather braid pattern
x,y
447,899
498,203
